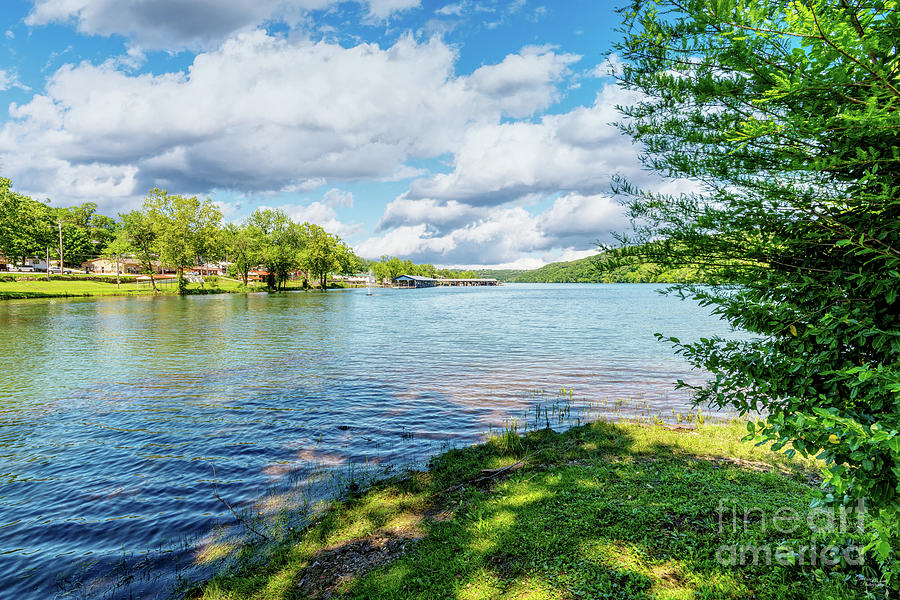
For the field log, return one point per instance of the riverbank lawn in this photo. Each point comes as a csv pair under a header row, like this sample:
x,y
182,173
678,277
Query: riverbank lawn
x,y
61,288
602,511
35,287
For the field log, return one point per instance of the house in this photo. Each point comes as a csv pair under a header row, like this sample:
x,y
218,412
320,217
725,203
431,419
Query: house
x,y
212,269
126,266
414,281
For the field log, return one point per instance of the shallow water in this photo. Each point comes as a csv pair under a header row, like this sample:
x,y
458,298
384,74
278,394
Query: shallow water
x,y
114,412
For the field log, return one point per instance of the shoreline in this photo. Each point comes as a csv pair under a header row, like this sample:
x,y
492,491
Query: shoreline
x,y
619,509
34,288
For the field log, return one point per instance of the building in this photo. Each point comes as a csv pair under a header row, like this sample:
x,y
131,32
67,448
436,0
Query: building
x,y
126,266
414,281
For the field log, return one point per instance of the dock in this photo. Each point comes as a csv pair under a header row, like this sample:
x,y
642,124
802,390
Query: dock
x,y
418,281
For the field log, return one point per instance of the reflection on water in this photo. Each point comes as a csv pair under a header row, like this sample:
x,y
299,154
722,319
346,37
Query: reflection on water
x,y
114,412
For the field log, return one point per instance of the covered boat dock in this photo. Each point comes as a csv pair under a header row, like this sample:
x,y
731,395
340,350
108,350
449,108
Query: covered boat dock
x,y
418,281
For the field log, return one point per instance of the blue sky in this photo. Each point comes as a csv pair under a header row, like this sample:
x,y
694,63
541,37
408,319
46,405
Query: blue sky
x,y
468,132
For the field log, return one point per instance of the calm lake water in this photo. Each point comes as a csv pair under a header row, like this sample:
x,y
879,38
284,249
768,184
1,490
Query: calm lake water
x,y
114,412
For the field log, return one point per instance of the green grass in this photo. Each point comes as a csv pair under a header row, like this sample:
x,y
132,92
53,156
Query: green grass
x,y
41,288
33,286
601,511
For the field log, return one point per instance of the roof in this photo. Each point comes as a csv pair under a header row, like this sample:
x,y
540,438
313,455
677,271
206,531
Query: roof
x,y
414,278
487,280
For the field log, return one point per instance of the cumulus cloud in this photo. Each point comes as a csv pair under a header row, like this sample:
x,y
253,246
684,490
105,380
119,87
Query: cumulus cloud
x,y
439,215
340,198
177,24
493,235
526,80
320,213
577,151
261,114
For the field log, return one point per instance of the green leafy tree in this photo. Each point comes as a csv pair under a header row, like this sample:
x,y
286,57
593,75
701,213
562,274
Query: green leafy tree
x,y
786,115
243,246
324,253
117,248
282,242
186,229
388,268
97,229
24,224
141,237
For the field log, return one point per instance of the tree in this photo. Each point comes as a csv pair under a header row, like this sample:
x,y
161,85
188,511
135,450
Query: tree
x,y
786,115
141,237
24,224
185,228
324,253
281,244
243,247
117,247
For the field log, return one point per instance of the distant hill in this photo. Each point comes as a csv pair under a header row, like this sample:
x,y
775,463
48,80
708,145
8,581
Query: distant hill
x,y
585,270
500,274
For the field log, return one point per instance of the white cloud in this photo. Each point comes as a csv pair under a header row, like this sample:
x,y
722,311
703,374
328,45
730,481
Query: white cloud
x,y
455,9
9,79
527,81
321,214
382,9
260,114
339,198
493,236
179,24
404,211
577,151
570,254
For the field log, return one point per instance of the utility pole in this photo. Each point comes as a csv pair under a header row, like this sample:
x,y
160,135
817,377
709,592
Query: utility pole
x,y
59,223
48,263
117,269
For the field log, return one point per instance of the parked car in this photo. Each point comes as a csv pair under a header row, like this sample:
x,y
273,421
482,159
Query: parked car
x,y
26,269
56,270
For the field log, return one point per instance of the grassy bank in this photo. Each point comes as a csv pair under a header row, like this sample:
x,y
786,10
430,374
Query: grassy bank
x,y
69,286
601,511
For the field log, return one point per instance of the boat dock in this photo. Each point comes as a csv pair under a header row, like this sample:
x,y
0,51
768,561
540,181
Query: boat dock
x,y
418,281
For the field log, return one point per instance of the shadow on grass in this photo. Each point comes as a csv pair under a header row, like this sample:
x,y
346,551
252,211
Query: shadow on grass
x,y
602,510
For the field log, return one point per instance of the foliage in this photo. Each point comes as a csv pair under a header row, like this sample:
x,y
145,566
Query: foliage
x,y
243,247
24,224
85,233
185,229
140,236
593,269
282,243
390,267
786,115
324,253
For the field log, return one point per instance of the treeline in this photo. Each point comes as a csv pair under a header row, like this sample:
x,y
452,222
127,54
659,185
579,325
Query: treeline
x,y
594,269
389,267
29,227
179,232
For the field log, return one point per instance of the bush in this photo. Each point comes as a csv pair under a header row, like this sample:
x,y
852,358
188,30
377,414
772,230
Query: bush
x,y
786,115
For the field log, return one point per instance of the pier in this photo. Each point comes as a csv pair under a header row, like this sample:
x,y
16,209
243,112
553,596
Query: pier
x,y
418,281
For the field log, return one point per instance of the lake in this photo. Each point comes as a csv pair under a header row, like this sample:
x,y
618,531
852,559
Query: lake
x,y
114,413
